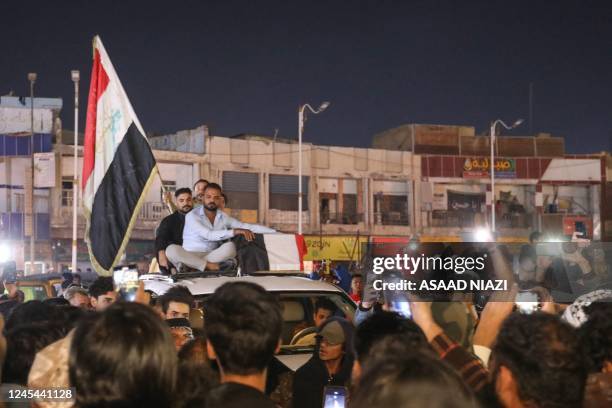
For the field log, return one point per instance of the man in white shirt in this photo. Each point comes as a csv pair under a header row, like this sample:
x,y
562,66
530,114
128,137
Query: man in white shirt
x,y
205,229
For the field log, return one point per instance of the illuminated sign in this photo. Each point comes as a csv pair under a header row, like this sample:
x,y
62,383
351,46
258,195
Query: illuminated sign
x,y
474,167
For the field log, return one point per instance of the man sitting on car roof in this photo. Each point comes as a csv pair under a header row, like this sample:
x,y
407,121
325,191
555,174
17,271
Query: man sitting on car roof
x,y
170,229
205,230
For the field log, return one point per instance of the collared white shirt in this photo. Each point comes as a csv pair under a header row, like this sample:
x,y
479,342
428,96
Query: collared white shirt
x,y
199,235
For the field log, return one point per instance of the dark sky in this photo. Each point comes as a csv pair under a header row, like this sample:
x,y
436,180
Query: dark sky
x,y
245,66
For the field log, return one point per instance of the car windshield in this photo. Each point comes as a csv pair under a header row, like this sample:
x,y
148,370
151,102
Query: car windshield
x,y
297,335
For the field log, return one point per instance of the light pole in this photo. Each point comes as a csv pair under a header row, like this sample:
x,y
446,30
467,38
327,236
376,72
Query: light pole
x,y
75,75
32,78
301,120
492,164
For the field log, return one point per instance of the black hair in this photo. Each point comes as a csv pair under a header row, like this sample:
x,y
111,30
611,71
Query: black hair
x,y
213,186
413,379
387,324
194,351
196,380
325,303
178,294
125,357
30,312
69,316
545,357
58,301
200,181
243,323
183,190
356,275
596,334
22,344
100,286
7,307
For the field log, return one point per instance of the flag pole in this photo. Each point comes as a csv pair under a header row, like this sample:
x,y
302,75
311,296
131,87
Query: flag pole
x,y
75,75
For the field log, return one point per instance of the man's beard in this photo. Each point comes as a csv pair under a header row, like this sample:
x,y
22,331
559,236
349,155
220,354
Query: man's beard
x,y
211,206
185,210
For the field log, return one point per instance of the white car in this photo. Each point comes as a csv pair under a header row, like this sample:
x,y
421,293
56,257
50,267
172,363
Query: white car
x,y
297,295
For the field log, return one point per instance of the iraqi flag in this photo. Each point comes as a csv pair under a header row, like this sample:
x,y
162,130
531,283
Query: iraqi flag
x,y
118,165
271,252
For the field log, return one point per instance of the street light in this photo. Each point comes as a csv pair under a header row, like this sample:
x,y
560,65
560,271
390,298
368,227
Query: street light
x,y
75,76
32,78
301,120
492,164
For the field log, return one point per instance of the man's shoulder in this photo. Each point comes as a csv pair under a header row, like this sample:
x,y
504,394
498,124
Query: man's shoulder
x,y
193,214
230,395
310,369
172,217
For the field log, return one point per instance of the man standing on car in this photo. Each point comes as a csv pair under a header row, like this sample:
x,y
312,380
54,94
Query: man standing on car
x,y
205,229
170,230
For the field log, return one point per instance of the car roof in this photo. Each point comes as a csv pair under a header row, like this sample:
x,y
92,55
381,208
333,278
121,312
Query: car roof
x,y
206,286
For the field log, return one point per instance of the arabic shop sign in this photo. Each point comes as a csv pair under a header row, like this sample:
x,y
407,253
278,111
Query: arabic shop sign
x,y
474,167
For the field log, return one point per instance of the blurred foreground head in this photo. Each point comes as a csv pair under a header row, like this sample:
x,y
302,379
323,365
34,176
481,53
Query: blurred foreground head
x,y
537,361
414,379
125,357
243,325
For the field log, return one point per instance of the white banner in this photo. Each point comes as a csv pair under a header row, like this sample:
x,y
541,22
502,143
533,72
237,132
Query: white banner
x,y
44,164
18,120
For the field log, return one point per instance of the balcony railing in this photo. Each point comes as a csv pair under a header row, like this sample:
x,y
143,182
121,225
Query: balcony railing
x,y
456,219
391,218
153,211
281,217
469,219
515,220
341,218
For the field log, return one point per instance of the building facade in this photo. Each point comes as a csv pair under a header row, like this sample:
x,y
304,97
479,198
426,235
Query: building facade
x,y
427,180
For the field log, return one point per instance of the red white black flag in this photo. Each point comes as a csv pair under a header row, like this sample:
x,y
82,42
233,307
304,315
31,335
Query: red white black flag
x,y
118,165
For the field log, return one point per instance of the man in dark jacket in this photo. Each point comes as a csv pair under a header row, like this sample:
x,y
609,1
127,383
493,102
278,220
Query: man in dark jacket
x,y
170,230
330,365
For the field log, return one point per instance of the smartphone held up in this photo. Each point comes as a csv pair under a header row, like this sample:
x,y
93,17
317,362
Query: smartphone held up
x,y
126,282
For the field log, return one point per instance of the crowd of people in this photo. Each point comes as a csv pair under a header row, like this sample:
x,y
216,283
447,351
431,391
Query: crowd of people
x,y
149,353
145,353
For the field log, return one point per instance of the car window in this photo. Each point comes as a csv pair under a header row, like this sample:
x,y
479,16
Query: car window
x,y
298,308
37,292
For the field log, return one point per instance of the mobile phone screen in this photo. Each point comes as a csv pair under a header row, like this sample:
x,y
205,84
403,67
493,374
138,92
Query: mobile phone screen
x,y
527,302
126,283
402,308
334,397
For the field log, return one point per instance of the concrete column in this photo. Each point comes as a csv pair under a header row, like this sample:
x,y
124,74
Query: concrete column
x,y
262,199
366,202
415,205
340,202
538,206
359,197
313,203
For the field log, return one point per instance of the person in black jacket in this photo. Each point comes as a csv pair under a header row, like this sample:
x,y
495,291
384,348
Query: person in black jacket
x,y
170,230
330,365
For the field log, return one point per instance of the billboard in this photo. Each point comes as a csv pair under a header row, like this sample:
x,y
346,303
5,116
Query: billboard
x,y
474,167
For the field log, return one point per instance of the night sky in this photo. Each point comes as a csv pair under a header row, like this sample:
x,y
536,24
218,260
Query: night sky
x,y
245,66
